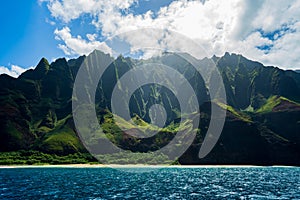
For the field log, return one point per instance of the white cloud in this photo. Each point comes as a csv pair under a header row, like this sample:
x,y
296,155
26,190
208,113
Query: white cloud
x,y
68,10
92,37
77,45
13,70
238,26
273,15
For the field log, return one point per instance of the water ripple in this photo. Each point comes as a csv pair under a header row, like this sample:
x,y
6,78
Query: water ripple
x,y
169,183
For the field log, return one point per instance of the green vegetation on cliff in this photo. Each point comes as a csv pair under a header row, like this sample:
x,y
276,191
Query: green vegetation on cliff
x,y
262,124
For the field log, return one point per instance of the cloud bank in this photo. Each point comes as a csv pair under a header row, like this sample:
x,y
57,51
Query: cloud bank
x,y
267,31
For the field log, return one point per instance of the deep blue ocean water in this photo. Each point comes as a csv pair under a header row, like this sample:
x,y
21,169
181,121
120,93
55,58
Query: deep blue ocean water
x,y
168,183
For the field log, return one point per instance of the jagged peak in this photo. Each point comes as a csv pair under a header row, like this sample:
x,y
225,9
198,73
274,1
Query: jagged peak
x,y
38,72
214,57
99,52
100,55
44,60
227,54
43,65
230,54
120,57
59,62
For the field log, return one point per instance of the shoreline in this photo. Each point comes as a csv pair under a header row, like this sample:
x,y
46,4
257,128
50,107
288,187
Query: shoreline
x,y
137,166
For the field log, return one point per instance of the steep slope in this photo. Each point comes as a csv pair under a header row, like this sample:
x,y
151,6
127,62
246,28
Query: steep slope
x,y
249,138
250,84
262,124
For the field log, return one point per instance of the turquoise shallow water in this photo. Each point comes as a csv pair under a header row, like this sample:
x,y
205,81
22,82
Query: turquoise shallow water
x,y
169,183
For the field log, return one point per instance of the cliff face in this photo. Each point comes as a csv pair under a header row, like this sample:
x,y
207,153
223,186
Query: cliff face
x,y
263,112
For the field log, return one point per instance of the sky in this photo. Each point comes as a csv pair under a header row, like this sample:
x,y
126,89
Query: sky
x,y
267,31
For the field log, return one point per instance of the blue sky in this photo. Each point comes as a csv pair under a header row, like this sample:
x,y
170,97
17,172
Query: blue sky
x,y
25,35
267,31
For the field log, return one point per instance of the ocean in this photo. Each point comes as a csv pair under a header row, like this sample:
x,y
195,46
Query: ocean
x,y
141,183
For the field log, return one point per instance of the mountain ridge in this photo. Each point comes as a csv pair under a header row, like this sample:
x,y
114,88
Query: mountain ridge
x,y
36,109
